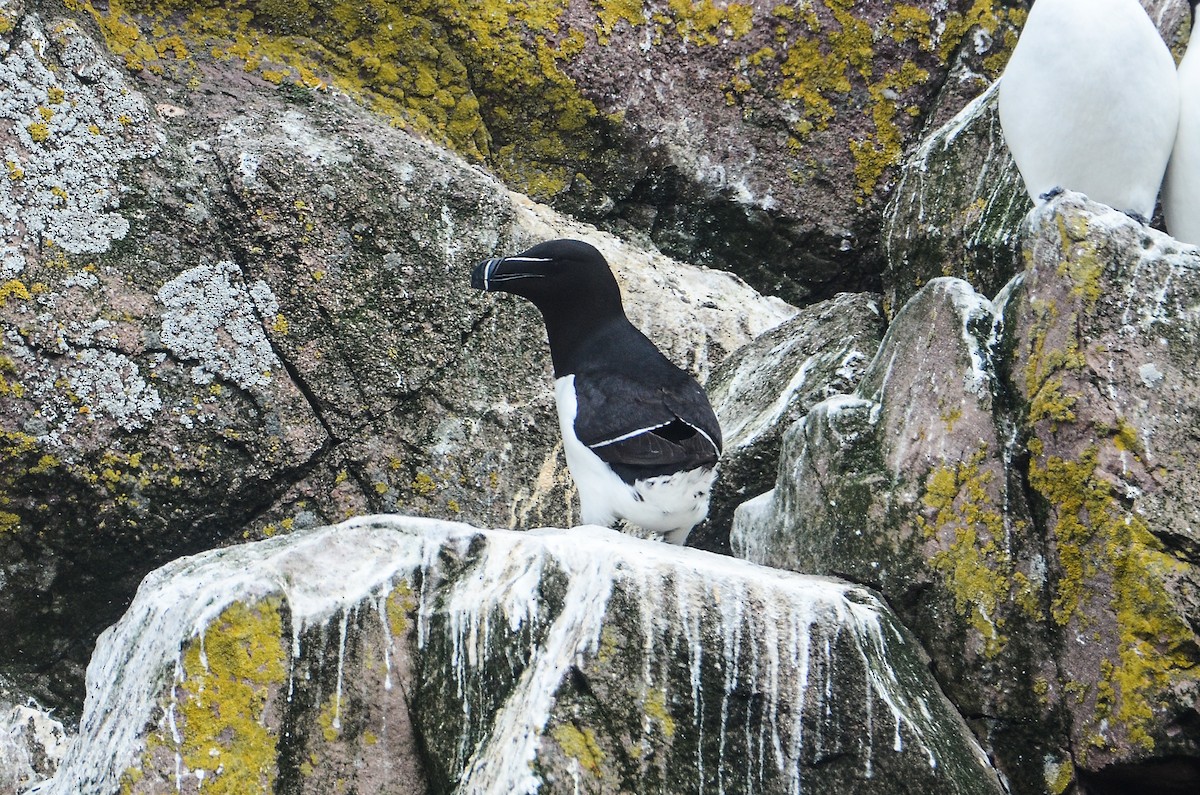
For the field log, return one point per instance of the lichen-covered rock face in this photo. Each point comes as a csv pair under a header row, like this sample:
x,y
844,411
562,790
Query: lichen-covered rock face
x,y
249,312
761,135
1105,344
554,662
1014,477
958,202
767,385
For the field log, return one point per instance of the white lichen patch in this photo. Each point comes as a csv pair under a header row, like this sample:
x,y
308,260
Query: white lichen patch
x,y
68,122
110,383
212,318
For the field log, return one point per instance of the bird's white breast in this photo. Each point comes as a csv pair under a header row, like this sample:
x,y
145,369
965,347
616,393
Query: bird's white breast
x,y
1181,189
670,505
1089,102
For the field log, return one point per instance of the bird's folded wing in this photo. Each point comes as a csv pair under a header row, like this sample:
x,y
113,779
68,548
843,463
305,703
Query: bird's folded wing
x,y
661,429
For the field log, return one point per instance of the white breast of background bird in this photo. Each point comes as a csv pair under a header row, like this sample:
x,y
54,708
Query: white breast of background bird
x,y
1181,188
1089,102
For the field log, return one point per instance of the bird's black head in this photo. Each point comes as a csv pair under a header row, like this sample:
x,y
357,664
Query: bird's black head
x,y
556,276
568,280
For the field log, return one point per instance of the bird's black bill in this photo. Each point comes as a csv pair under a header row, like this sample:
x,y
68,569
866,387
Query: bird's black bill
x,y
480,277
493,272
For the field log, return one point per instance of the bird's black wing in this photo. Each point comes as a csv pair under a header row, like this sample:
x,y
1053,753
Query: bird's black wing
x,y
646,424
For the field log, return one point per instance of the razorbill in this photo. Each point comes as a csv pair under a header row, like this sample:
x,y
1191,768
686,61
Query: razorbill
x,y
1181,188
640,437
1089,102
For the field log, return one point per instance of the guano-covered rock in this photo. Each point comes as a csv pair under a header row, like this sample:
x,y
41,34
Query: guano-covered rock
x,y
403,655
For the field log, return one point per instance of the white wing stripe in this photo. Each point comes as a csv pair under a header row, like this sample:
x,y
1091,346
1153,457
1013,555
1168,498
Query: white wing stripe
x,y
640,431
629,435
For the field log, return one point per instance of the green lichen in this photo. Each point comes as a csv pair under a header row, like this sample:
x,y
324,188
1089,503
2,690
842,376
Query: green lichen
x,y
1059,776
1109,561
222,704
484,78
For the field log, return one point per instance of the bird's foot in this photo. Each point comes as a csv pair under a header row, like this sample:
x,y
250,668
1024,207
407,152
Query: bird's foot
x,y
1141,219
1050,194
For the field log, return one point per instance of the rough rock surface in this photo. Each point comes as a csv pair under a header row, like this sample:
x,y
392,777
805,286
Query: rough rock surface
x,y
768,384
761,136
250,315
32,742
957,208
555,661
959,200
1013,476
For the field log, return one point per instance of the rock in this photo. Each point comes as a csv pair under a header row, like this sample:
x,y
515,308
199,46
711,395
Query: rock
x,y
254,316
957,208
959,200
758,137
902,486
767,385
1012,477
1105,341
523,661
32,743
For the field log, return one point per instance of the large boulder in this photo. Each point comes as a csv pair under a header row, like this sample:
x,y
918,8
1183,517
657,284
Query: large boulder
x,y
391,654
957,209
1014,477
1105,343
232,318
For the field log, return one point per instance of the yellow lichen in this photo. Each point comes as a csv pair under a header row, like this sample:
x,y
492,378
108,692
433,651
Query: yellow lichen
x,y
222,698
655,708
399,606
329,718
1109,561
13,288
39,131
610,12
580,745
989,17
976,568
424,485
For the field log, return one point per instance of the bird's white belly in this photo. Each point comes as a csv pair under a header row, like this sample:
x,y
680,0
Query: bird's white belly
x,y
1181,190
670,505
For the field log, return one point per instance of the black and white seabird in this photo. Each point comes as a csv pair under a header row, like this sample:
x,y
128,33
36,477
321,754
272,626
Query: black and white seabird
x,y
640,437
1089,102
1181,188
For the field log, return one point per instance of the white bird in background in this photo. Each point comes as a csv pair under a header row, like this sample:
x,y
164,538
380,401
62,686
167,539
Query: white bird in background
x,y
1181,189
1089,102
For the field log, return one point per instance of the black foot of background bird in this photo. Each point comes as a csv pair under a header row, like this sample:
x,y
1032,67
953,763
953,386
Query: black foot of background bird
x,y
640,436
